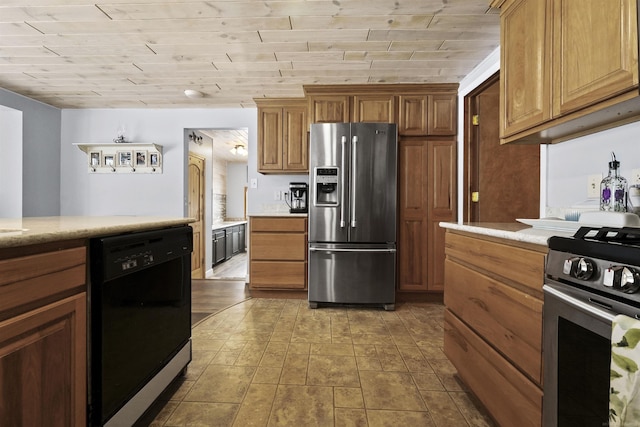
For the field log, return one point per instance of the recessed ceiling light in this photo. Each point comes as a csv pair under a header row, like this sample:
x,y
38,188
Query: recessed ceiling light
x,y
191,93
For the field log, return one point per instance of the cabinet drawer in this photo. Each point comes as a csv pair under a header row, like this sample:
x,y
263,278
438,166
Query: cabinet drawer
x,y
278,224
524,266
27,280
274,246
511,398
509,319
278,274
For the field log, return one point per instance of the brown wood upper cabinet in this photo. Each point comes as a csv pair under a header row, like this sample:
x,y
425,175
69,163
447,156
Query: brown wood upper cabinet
x,y
283,145
419,110
567,67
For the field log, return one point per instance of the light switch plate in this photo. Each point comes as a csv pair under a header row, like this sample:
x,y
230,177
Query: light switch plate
x,y
254,182
635,177
593,186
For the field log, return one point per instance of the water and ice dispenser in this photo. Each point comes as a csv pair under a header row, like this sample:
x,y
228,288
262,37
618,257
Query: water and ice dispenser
x,y
326,182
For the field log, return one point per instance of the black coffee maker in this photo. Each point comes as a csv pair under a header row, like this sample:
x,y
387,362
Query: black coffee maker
x,y
298,197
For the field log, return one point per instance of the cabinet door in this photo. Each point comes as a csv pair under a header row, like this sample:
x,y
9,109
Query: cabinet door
x,y
595,54
270,139
295,143
427,197
442,115
221,247
525,99
441,204
374,109
413,232
329,108
43,365
412,120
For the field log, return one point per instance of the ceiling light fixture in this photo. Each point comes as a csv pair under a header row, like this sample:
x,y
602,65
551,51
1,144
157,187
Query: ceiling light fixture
x,y
239,150
191,93
195,138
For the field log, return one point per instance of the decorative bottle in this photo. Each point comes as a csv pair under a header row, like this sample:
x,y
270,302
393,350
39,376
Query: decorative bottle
x,y
613,189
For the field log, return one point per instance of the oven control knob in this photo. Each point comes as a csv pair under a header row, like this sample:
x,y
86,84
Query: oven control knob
x,y
580,268
625,279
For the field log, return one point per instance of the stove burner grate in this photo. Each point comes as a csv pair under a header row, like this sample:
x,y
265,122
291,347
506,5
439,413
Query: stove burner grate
x,y
625,235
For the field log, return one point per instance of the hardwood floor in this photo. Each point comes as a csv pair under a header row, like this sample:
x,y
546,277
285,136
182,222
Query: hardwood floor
x,y
210,296
234,268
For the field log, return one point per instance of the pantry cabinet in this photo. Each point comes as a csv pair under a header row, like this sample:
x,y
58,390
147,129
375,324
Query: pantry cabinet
x,y
493,323
567,67
283,143
43,338
278,253
427,171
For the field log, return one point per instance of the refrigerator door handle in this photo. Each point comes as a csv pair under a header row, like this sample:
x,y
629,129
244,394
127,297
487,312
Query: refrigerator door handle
x,y
343,223
386,250
354,141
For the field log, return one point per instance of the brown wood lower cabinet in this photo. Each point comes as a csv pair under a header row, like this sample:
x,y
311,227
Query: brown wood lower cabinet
x,y
278,253
493,323
43,339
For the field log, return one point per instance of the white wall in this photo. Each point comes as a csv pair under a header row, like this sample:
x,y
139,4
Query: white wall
x,y
570,163
10,163
236,182
40,153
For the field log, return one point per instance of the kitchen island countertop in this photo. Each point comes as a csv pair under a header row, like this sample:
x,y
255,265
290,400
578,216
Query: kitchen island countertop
x,y
16,232
511,230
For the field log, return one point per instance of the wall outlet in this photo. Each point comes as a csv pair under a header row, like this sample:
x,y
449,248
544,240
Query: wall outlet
x,y
277,195
593,186
635,177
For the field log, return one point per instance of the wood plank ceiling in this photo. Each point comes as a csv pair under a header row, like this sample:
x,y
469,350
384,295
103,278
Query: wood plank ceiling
x,y
145,53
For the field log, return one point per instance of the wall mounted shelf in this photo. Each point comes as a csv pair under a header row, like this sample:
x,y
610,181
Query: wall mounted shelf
x,y
127,157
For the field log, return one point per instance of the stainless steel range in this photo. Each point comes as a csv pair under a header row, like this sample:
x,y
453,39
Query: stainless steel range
x,y
590,278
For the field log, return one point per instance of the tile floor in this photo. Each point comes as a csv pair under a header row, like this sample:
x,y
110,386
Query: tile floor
x,y
275,362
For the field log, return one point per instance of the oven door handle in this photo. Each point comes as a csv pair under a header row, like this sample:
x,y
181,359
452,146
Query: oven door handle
x,y
588,308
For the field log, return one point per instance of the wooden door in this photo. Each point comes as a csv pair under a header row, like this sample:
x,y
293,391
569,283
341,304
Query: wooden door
x,y
595,54
196,210
374,108
441,205
525,79
505,177
442,115
270,139
43,365
413,230
329,108
412,117
295,143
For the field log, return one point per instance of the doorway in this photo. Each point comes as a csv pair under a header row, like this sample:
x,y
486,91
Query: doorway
x,y
502,182
226,179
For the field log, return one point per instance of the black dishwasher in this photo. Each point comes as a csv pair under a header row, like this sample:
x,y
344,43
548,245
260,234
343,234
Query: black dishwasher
x,y
140,320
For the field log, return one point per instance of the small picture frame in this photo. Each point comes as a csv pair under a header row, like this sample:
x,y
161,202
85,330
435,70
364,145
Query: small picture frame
x,y
140,158
95,159
125,158
154,160
109,160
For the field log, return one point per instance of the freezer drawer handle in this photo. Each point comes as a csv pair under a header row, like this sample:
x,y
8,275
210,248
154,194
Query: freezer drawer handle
x,y
387,250
354,196
342,221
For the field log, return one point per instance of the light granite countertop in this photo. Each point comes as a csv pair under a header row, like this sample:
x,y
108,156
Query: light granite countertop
x,y
282,214
511,231
225,224
16,232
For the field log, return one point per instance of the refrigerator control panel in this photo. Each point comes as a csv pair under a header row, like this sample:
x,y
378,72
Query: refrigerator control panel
x,y
326,182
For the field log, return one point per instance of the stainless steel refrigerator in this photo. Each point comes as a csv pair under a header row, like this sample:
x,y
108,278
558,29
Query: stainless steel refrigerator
x,y
352,213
